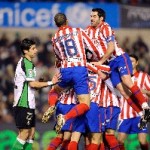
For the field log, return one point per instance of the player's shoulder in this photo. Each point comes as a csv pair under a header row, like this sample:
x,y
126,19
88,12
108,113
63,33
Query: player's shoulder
x,y
20,61
141,73
144,73
105,25
78,29
88,27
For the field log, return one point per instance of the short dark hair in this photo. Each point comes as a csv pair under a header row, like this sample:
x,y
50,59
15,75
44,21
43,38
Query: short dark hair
x,y
101,12
26,44
134,56
60,19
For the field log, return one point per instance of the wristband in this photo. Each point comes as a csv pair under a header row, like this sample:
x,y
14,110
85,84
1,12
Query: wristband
x,y
49,83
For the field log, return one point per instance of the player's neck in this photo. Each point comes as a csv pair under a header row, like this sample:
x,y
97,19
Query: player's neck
x,y
100,24
134,71
27,57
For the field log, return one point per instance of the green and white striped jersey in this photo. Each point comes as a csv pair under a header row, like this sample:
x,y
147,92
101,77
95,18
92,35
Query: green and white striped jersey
x,y
24,95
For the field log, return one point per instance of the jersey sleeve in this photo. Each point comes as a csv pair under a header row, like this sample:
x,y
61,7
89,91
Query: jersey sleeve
x,y
56,50
108,33
147,82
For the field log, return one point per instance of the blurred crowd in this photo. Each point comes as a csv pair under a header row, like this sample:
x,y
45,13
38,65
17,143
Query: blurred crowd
x,y
129,2
10,54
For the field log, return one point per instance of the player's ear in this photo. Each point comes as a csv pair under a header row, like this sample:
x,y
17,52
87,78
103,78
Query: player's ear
x,y
66,22
101,18
25,51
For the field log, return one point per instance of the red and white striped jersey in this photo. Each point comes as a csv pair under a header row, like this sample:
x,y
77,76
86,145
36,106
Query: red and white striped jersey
x,y
107,97
101,36
68,97
95,87
143,81
100,92
113,100
69,45
104,95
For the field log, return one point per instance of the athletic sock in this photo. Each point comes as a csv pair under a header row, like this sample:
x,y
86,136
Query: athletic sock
x,y
54,143
144,146
138,94
73,145
52,97
102,146
121,146
112,141
28,145
18,145
93,146
65,144
87,147
77,111
134,104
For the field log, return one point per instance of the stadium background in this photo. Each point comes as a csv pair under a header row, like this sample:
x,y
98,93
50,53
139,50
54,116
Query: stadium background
x,y
31,18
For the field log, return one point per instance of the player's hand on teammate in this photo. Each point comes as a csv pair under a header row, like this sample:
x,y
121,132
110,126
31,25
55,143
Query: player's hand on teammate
x,y
97,63
102,75
56,78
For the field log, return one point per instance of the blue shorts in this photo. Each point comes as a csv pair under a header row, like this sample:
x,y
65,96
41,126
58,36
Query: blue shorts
x,y
93,121
120,66
112,114
79,124
63,109
130,126
77,77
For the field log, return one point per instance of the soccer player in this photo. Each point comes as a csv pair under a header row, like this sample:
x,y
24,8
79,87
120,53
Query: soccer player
x,y
66,102
93,121
69,46
129,119
117,59
112,114
24,98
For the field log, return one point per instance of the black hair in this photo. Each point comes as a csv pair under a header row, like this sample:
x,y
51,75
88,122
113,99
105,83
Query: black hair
x,y
60,19
26,44
101,12
134,56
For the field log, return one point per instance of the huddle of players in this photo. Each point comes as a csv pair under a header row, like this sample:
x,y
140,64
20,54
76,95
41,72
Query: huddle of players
x,y
99,123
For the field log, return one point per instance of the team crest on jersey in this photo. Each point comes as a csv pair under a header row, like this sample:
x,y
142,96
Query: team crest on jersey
x,y
30,73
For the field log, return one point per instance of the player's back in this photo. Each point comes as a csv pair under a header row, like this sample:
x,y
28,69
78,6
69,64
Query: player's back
x,y
68,97
69,46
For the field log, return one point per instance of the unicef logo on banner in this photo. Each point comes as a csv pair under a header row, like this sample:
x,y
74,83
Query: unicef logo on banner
x,y
40,15
78,15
